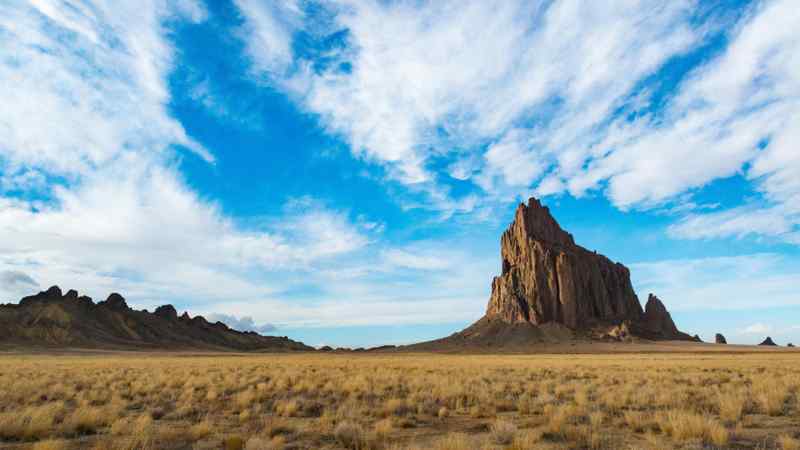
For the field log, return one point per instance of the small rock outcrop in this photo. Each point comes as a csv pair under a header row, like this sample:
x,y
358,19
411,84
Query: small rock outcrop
x,y
790,344
769,342
697,338
167,311
657,319
720,339
115,302
548,279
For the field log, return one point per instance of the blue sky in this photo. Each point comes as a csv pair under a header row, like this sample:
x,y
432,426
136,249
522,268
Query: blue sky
x,y
340,172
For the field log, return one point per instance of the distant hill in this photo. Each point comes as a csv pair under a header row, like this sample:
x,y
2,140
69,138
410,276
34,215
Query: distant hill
x,y
50,319
552,290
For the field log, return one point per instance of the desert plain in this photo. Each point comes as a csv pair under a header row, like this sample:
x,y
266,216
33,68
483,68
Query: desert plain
x,y
659,396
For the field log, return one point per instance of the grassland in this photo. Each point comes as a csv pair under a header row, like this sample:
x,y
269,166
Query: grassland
x,y
400,401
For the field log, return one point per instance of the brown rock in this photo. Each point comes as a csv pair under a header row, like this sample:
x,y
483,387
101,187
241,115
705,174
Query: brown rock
x,y
768,341
167,311
657,319
116,302
52,320
720,339
547,278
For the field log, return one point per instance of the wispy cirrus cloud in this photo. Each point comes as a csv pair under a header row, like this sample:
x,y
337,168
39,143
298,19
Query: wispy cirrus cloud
x,y
84,82
549,98
425,78
90,150
761,280
757,329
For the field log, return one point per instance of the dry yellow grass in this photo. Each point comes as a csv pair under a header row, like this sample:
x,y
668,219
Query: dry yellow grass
x,y
400,401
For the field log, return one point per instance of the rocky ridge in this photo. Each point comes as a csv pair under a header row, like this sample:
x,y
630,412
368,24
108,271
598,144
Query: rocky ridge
x,y
50,319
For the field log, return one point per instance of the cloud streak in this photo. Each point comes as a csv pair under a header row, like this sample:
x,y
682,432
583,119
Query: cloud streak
x,y
559,97
721,283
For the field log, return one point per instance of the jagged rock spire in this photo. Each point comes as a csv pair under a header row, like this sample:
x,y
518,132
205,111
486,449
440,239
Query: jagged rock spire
x,y
546,277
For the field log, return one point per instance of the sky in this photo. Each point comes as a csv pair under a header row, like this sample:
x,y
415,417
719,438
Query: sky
x,y
340,172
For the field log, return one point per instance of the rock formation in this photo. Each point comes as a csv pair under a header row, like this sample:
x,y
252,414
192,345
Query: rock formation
x,y
657,319
547,278
720,339
768,341
54,320
790,344
552,290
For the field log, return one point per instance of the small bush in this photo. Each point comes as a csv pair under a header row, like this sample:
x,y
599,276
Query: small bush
x,y
349,435
502,432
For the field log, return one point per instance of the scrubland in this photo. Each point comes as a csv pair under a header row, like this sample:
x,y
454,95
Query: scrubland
x,y
400,401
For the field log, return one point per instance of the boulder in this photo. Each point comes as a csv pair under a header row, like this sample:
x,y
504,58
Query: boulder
x,y
720,339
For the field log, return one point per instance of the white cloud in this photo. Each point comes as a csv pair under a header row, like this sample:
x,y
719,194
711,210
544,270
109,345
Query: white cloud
x,y
15,281
412,260
472,69
713,129
524,96
84,82
268,30
140,219
422,283
756,328
737,222
510,164
720,283
241,323
86,124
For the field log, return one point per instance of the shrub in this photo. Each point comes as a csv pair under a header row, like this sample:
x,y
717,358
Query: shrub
x,y
349,435
731,406
502,432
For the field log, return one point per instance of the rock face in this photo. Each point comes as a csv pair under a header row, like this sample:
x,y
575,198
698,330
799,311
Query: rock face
x,y
547,278
768,341
54,320
720,339
657,319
